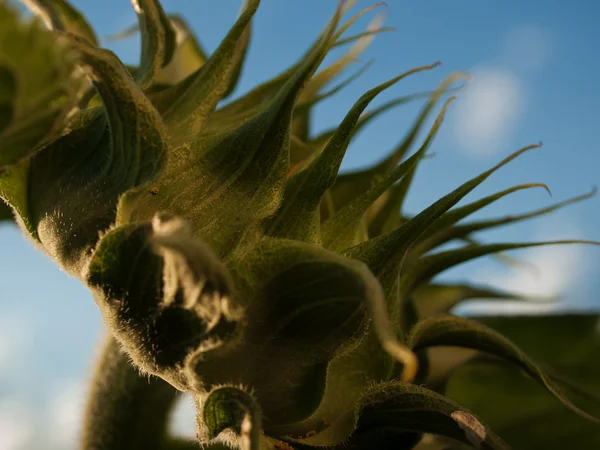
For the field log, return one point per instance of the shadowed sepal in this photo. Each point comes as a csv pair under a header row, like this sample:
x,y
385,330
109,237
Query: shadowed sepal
x,y
39,87
398,408
164,295
102,154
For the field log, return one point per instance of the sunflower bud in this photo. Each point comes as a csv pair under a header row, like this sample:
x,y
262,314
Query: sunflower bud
x,y
227,254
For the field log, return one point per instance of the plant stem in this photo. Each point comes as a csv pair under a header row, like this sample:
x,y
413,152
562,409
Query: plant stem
x,y
127,410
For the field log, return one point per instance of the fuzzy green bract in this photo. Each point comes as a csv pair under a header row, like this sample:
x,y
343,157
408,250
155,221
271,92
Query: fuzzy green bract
x,y
232,261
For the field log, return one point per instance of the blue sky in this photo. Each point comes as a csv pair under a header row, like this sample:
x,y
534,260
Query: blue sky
x,y
535,80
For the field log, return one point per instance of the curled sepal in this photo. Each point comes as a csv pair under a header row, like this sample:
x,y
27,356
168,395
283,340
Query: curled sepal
x,y
158,40
39,87
136,128
466,333
233,409
62,16
303,304
164,295
397,408
103,153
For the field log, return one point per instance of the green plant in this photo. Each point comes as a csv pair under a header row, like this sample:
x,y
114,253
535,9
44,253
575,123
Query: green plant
x,y
231,261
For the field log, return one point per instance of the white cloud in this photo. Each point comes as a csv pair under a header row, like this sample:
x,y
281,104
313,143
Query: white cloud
x,y
16,339
487,110
559,269
557,272
184,417
527,47
16,429
65,413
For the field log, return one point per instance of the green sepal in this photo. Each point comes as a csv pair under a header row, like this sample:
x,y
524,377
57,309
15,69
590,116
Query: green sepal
x,y
298,217
428,266
371,31
406,408
437,298
293,287
384,254
62,16
350,185
461,332
164,295
340,231
185,107
188,57
443,230
230,408
38,90
158,40
103,153
463,231
224,184
303,153
301,125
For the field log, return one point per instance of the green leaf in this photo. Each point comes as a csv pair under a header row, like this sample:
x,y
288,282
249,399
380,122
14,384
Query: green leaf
x,y
406,408
62,16
38,90
525,415
158,40
164,295
460,332
298,217
228,407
